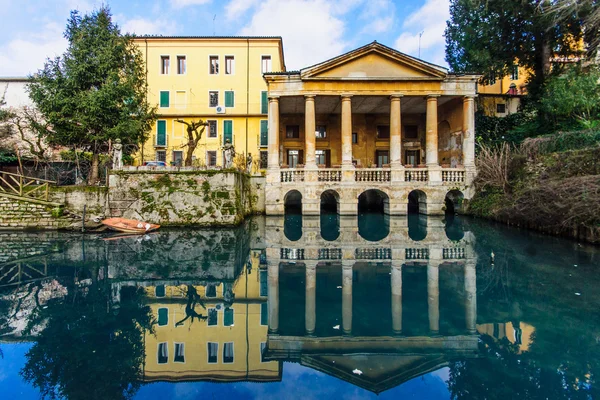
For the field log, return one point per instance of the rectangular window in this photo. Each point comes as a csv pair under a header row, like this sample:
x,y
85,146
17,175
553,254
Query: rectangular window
x,y
383,131
211,158
295,157
181,65
163,353
179,353
491,78
263,349
263,282
212,129
228,317
264,159
229,65
264,314
229,98
321,131
412,157
164,98
213,98
180,99
159,291
264,133
265,64
163,316
383,158
177,158
211,290
161,155
228,353
514,73
264,102
212,319
411,132
213,352
227,131
214,65
354,137
165,62
292,131
501,108
320,156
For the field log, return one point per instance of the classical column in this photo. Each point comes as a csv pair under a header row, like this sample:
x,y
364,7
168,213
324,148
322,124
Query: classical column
x,y
468,131
311,289
431,138
347,296
273,160
395,131
347,130
471,296
273,295
433,297
396,297
309,132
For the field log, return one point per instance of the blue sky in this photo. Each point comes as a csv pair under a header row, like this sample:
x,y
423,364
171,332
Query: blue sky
x,y
312,30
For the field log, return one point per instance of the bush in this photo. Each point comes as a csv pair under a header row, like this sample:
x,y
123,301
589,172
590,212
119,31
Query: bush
x,y
562,141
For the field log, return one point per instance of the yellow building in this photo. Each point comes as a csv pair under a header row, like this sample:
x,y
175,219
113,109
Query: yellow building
x,y
227,346
499,97
216,79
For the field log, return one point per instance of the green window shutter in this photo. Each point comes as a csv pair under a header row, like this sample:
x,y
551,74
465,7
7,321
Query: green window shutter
x,y
264,103
161,133
160,291
228,317
228,131
263,283
163,316
264,133
164,99
229,99
264,314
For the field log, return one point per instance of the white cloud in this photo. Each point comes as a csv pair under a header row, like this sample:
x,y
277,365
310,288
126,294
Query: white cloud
x,y
379,25
144,26
310,29
235,8
430,19
185,3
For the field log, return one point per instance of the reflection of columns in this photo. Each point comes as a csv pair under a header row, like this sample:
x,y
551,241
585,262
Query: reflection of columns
x,y
347,130
273,132
397,297
431,139
309,131
311,289
468,131
433,297
470,296
273,296
395,131
347,296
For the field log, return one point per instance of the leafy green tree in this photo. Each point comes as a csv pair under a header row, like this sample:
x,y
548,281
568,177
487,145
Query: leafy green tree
x,y
95,92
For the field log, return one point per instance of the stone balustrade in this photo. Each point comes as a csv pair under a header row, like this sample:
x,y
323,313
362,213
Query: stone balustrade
x,y
416,175
377,253
417,253
453,175
292,175
451,253
330,175
372,175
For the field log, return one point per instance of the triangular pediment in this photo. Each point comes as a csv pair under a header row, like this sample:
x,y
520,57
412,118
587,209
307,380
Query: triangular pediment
x,y
374,62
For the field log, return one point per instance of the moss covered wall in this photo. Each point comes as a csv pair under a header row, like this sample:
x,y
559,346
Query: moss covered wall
x,y
20,214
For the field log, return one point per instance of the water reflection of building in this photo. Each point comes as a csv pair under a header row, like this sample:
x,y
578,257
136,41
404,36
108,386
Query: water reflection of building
x,y
224,344
356,302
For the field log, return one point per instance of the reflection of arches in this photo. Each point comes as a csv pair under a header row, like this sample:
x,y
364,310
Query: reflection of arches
x,y
417,226
293,202
292,226
330,201
417,202
454,228
373,226
330,226
454,201
373,200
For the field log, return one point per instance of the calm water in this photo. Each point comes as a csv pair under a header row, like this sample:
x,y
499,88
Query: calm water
x,y
294,307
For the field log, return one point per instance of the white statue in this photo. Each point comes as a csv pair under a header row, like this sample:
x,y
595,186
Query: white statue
x,y
249,163
117,160
229,153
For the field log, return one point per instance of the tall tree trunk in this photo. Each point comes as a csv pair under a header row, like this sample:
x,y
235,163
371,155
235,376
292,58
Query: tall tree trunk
x,y
190,153
93,178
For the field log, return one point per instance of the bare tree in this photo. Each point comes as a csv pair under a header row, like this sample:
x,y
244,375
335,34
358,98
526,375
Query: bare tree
x,y
27,127
194,129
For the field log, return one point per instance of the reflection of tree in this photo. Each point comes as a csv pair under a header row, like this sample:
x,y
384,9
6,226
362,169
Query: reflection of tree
x,y
190,308
88,349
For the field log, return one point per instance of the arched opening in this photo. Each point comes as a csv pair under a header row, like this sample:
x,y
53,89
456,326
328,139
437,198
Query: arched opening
x,y
453,202
417,226
373,201
373,226
454,228
293,202
330,202
417,202
330,221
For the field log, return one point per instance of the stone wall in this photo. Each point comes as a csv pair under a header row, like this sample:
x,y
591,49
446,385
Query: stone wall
x,y
21,214
75,197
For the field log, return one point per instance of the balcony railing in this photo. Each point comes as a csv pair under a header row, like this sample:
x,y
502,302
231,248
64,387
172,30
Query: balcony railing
x,y
330,175
453,175
417,254
292,175
450,253
373,175
416,175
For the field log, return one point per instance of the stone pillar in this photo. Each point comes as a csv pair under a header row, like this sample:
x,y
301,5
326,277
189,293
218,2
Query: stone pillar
x,y
471,296
395,131
431,138
311,290
348,174
347,297
309,132
396,278
433,297
273,295
468,144
273,158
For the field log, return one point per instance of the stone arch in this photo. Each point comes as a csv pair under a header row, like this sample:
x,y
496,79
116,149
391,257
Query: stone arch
x,y
417,202
453,202
330,201
374,200
292,202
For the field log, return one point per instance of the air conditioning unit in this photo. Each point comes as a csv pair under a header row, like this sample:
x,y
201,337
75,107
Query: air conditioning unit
x,y
220,109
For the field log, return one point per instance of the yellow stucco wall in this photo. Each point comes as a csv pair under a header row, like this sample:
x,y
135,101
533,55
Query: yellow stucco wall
x,y
189,92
